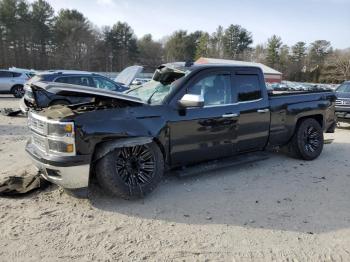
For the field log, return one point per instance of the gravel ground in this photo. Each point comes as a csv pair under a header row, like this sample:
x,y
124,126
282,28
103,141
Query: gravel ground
x,y
279,209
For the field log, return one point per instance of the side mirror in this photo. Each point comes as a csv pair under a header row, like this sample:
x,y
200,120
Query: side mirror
x,y
189,100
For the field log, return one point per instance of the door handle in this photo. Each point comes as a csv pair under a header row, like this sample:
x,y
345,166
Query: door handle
x,y
266,110
229,115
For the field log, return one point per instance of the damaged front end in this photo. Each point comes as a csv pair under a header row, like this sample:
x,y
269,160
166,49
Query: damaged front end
x,y
55,133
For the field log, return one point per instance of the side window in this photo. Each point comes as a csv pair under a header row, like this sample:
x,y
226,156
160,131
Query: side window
x,y
215,89
248,87
5,74
74,80
15,74
100,82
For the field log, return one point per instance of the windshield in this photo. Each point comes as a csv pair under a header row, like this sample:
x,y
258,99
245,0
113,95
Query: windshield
x,y
152,92
344,88
163,82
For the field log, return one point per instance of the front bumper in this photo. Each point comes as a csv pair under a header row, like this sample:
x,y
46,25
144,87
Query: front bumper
x,y
22,105
72,173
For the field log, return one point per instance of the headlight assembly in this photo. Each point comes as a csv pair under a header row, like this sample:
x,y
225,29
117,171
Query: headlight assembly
x,y
52,137
64,129
61,147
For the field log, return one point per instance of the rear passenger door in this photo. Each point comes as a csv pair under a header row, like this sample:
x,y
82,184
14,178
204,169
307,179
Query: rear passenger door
x,y
253,103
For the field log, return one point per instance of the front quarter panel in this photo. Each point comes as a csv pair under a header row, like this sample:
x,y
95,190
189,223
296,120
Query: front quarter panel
x,y
95,127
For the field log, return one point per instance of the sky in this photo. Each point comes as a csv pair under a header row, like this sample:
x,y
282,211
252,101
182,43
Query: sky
x,y
292,20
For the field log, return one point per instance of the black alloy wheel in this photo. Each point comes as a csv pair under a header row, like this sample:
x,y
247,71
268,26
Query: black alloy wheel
x,y
131,172
312,139
136,165
307,142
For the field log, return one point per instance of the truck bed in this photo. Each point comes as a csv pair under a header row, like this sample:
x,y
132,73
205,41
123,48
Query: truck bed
x,y
287,107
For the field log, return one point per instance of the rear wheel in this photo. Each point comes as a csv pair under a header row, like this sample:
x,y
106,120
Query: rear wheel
x,y
307,142
131,172
17,91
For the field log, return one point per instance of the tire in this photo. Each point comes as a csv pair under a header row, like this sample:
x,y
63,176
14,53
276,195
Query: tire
x,y
307,142
59,102
17,91
120,174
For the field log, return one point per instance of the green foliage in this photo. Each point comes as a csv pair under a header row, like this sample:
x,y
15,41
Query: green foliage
x,y
122,45
32,36
273,47
236,40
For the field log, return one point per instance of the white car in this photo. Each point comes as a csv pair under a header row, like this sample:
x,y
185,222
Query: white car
x,y
12,82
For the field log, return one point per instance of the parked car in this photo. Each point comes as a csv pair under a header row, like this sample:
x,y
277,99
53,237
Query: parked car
x,y
12,82
40,97
179,118
342,106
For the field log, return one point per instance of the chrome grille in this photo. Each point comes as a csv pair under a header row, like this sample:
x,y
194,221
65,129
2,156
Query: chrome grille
x,y
342,102
37,125
39,141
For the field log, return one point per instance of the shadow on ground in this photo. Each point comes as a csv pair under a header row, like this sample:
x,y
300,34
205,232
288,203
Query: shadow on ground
x,y
279,193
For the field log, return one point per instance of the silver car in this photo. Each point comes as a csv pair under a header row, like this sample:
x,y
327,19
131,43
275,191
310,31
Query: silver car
x,y
12,82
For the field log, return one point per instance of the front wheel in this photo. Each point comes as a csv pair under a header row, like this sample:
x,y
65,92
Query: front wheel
x,y
307,142
131,172
17,91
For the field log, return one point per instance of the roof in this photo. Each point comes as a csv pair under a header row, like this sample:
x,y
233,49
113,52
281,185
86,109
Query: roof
x,y
264,68
66,72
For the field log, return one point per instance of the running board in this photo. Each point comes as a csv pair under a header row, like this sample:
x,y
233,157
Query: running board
x,y
222,163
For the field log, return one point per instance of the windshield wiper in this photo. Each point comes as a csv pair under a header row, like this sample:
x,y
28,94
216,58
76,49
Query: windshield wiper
x,y
150,98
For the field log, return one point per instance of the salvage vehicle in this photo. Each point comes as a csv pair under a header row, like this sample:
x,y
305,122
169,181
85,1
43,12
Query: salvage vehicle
x,y
342,104
12,82
183,116
40,96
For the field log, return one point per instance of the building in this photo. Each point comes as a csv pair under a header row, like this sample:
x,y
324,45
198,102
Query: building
x,y
271,75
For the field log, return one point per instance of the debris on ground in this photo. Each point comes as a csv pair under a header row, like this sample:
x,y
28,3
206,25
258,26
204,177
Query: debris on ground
x,y
10,111
21,184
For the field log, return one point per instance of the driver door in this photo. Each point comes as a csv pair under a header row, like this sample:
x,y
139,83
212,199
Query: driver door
x,y
209,132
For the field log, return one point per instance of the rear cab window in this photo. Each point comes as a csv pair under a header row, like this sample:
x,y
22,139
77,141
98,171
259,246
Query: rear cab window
x,y
248,87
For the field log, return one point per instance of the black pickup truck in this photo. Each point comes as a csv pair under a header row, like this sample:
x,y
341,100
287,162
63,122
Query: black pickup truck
x,y
182,117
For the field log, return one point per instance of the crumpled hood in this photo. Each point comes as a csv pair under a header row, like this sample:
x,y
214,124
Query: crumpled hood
x,y
76,90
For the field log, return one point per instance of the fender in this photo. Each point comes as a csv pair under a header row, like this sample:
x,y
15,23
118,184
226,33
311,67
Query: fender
x,y
107,147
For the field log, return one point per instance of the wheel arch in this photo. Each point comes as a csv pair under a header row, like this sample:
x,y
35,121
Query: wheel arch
x,y
15,85
318,117
103,148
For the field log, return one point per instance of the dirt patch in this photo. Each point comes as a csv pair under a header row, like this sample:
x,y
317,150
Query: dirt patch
x,y
278,209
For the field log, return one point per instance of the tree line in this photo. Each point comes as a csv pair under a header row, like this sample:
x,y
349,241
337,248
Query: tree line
x,y
33,36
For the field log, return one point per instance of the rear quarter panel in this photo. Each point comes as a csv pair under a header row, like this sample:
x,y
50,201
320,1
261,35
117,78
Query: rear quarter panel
x,y
287,110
